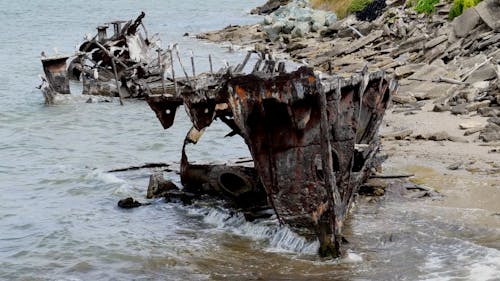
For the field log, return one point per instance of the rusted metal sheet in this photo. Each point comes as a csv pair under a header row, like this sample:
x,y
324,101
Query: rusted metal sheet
x,y
312,138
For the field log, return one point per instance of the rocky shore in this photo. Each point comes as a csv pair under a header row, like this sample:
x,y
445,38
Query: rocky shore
x,y
446,116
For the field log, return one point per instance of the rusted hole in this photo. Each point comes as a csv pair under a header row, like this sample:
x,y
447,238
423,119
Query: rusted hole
x,y
234,184
167,111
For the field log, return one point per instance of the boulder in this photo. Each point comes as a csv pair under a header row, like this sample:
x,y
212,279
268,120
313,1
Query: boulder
x,y
489,11
484,73
465,23
301,29
273,31
490,133
469,125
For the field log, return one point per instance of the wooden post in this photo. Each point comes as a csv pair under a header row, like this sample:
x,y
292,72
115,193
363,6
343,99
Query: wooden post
x,y
162,69
173,71
116,79
192,64
210,61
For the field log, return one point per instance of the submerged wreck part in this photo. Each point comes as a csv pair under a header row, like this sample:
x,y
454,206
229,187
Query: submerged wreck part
x,y
313,140
240,184
56,81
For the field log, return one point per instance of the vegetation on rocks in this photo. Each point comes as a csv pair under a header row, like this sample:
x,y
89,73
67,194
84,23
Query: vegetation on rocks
x,y
340,7
459,6
358,5
426,6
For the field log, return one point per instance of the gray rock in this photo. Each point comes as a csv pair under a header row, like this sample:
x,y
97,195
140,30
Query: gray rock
x,y
463,24
490,133
300,29
489,112
268,20
318,17
469,125
489,11
404,99
330,19
441,108
477,105
455,166
494,120
459,109
273,31
316,27
439,136
484,73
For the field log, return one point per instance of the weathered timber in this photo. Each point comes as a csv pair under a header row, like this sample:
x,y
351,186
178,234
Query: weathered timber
x,y
312,139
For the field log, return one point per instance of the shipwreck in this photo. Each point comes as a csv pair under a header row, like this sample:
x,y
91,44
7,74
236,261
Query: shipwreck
x,y
312,138
129,63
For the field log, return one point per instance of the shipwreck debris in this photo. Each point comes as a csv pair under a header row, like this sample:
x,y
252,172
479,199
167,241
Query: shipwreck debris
x,y
312,138
127,64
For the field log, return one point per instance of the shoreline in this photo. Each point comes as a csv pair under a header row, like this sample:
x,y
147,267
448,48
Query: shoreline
x,y
432,146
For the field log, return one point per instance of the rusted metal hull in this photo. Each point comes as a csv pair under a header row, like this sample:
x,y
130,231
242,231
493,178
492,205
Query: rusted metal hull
x,y
312,140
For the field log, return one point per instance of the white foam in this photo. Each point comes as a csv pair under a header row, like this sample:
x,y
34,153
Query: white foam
x,y
279,238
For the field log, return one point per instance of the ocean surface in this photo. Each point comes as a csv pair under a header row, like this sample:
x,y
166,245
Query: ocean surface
x,y
59,218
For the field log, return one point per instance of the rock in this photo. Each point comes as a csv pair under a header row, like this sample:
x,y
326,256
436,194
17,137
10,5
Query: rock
x,y
477,105
300,29
489,111
489,11
295,46
439,136
421,96
268,20
481,85
473,131
455,166
490,133
273,31
330,19
494,120
465,23
373,187
406,70
441,108
158,186
129,203
318,17
436,41
486,72
457,139
469,125
269,7
398,135
459,109
404,99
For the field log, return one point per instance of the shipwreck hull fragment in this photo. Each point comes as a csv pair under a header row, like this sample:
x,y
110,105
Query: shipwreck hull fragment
x,y
280,118
313,138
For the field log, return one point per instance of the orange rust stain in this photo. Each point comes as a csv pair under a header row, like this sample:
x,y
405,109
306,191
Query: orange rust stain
x,y
241,93
311,79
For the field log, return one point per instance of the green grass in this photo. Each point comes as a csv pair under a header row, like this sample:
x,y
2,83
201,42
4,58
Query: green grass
x,y
459,6
358,5
426,6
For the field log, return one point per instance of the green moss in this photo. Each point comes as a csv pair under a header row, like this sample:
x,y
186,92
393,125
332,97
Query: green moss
x,y
426,6
358,5
459,6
